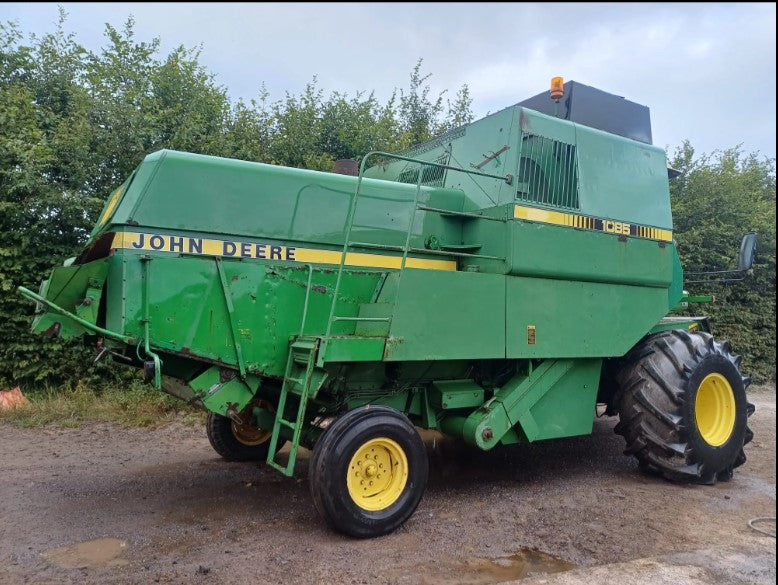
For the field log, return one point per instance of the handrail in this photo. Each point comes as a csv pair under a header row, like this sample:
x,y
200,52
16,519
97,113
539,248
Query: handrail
x,y
468,214
347,243
507,178
145,259
307,298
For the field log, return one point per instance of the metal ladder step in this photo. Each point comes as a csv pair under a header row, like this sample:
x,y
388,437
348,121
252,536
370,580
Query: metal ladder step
x,y
302,353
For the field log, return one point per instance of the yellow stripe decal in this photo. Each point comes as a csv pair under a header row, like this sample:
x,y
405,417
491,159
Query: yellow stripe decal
x,y
597,224
111,205
264,251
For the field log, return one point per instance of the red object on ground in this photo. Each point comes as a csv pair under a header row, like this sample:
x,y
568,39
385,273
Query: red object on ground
x,y
12,398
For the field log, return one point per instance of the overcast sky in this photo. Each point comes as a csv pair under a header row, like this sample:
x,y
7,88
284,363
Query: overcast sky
x,y
706,70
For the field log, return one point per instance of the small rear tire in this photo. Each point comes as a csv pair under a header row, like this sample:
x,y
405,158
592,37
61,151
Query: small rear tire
x,y
368,472
682,407
236,442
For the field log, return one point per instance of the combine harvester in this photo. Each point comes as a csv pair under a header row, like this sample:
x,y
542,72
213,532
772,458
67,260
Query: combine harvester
x,y
494,284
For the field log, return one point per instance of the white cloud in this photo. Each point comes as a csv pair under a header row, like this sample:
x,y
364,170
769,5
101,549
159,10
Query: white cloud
x,y
707,71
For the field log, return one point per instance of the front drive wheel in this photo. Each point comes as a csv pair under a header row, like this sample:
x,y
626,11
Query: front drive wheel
x,y
368,472
682,407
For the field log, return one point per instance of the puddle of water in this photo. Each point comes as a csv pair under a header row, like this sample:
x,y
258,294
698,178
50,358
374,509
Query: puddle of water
x,y
92,554
525,563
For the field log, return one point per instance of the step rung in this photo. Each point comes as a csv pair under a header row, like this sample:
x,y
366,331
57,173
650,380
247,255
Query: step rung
x,y
295,380
286,423
375,246
285,469
422,251
361,319
463,214
458,254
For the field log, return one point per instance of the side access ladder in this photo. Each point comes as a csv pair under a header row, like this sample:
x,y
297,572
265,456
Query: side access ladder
x,y
301,380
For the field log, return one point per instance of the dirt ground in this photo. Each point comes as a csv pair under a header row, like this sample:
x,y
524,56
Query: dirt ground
x,y
102,504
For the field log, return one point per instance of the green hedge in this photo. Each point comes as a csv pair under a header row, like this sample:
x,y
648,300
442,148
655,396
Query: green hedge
x,y
74,123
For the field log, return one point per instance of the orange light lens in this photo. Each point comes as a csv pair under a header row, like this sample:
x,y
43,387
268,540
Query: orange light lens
x,y
557,88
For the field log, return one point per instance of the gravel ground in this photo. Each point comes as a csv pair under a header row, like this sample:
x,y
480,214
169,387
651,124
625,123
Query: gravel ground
x,y
102,504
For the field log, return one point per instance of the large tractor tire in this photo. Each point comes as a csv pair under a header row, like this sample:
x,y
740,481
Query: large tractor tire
x,y
682,407
236,442
368,471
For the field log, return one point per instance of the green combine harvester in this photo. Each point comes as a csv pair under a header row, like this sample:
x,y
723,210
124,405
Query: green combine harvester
x,y
495,284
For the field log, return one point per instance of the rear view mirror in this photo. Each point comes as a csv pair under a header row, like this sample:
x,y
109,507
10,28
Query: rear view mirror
x,y
747,251
745,260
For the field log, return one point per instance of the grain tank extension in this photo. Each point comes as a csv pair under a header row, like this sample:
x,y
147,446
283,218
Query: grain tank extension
x,y
494,284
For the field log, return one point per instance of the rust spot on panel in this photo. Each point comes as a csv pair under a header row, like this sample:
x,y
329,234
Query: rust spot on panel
x,y
391,342
225,374
524,122
52,331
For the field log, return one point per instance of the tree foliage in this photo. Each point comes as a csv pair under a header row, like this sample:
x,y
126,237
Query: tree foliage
x,y
74,123
716,199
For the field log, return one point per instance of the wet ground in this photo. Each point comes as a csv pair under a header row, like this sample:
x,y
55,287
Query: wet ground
x,y
102,504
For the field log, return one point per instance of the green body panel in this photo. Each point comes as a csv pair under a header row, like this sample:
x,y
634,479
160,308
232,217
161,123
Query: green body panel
x,y
456,394
551,251
616,174
559,408
447,316
353,349
578,319
675,291
184,193
189,313
556,399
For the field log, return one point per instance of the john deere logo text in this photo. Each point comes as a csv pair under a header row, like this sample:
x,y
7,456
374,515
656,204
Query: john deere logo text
x,y
261,251
186,245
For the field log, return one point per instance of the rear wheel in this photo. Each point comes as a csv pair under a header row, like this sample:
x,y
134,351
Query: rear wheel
x,y
236,442
368,472
682,407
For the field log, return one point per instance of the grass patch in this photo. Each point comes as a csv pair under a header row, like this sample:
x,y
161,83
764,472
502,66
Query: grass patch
x,y
136,405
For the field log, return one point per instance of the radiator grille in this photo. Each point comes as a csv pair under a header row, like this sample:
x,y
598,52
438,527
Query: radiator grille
x,y
548,172
430,176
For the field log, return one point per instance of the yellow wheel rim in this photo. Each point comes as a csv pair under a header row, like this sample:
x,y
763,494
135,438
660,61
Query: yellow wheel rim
x,y
248,435
377,474
714,409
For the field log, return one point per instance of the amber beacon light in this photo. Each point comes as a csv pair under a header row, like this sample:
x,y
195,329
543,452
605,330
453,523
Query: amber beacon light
x,y
557,88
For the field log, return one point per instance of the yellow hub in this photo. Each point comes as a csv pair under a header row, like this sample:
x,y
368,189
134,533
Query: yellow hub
x,y
248,435
714,409
377,474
